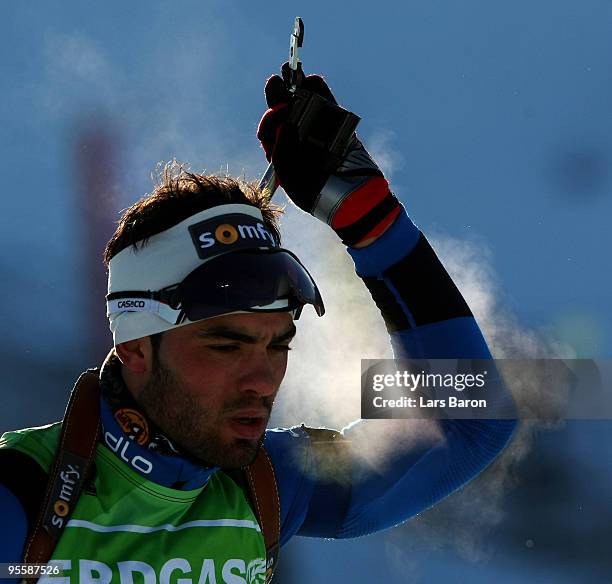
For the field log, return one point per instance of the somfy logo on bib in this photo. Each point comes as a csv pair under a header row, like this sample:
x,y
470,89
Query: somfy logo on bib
x,y
228,233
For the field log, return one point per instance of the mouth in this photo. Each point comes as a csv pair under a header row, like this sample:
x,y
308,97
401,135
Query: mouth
x,y
248,424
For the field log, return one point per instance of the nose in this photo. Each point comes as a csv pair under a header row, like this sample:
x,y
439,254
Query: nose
x,y
259,376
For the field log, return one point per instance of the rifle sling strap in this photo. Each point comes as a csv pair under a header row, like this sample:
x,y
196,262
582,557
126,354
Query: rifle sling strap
x,y
263,492
71,468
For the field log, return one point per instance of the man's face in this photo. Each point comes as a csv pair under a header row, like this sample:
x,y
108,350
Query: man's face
x,y
213,383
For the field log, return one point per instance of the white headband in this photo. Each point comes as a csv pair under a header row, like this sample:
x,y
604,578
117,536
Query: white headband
x,y
168,257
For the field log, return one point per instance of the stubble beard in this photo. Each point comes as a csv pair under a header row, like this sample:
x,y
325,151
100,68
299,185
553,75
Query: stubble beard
x,y
188,424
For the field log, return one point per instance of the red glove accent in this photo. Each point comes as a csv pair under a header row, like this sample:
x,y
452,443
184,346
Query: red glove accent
x,y
359,202
270,126
382,226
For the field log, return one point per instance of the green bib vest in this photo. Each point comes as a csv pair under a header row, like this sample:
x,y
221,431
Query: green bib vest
x,y
127,529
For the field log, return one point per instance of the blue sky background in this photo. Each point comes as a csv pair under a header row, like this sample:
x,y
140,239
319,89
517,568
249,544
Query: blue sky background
x,y
493,120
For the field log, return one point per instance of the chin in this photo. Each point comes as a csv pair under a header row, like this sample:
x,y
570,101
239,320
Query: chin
x,y
242,453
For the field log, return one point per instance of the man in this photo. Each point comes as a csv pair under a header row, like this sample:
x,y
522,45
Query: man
x,y
202,302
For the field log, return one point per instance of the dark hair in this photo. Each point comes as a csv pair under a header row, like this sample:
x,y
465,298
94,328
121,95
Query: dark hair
x,y
180,194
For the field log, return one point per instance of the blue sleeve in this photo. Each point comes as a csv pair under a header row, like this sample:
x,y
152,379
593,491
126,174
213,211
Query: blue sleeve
x,y
426,317
13,528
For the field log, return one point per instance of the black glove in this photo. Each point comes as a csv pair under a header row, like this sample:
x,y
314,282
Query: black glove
x,y
354,198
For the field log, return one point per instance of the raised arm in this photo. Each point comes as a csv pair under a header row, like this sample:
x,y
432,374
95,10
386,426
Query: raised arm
x,y
426,317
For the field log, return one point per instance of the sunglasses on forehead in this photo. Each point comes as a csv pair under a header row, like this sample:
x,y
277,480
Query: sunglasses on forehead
x,y
257,280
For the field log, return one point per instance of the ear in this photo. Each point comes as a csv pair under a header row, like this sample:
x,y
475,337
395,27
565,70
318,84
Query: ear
x,y
136,355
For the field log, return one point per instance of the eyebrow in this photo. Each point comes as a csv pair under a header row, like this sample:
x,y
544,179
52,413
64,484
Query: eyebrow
x,y
231,334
